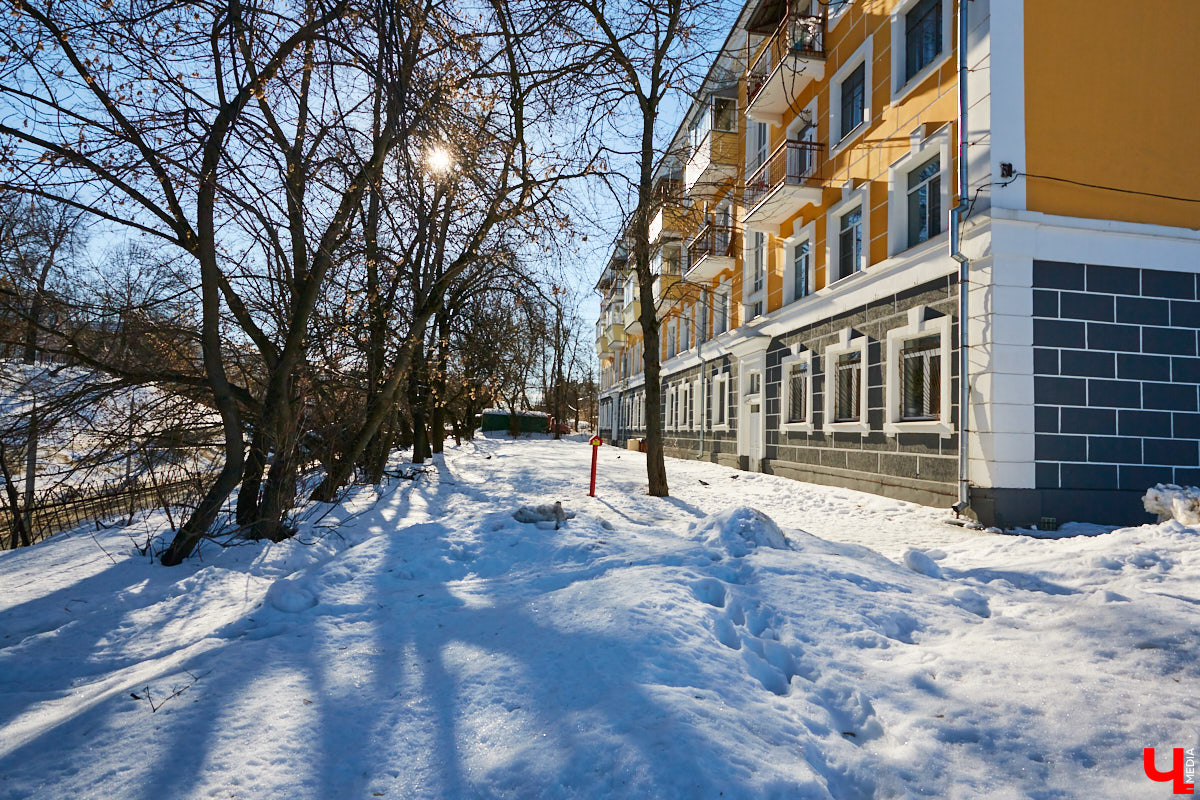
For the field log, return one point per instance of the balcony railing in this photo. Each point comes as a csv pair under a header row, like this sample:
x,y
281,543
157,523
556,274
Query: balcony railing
x,y
720,241
794,163
799,36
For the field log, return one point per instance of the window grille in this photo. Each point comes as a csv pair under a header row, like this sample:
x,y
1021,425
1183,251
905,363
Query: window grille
x,y
921,379
797,393
849,387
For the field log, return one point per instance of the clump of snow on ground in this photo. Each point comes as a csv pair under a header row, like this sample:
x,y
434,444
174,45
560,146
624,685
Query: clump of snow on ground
x,y
743,638
1169,501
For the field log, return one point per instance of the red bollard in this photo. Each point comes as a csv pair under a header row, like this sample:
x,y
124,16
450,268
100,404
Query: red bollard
x,y
596,442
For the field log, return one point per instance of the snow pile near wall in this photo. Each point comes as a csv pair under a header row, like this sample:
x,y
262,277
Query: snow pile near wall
x,y
739,531
1174,502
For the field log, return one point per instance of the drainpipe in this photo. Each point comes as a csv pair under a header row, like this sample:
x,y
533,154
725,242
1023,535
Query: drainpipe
x,y
703,376
958,215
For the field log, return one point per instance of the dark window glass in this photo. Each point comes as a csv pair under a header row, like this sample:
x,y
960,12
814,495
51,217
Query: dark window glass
x,y
800,269
850,243
922,36
925,202
797,386
853,99
849,377
921,379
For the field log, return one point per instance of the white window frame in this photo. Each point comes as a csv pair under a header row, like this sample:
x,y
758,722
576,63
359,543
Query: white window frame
x,y
833,239
920,324
863,55
685,405
807,233
749,296
921,149
900,86
798,356
720,391
697,406
843,345
724,291
669,422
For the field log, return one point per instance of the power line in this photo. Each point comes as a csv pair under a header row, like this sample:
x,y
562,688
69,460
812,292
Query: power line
x,y
1107,188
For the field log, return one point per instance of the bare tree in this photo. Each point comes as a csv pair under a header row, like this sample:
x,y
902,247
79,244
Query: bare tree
x,y
646,51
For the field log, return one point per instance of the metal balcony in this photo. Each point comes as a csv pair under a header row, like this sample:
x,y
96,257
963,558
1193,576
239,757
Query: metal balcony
x,y
712,251
785,183
792,57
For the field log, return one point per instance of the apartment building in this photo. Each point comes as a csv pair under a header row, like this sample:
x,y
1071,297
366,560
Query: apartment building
x,y
819,240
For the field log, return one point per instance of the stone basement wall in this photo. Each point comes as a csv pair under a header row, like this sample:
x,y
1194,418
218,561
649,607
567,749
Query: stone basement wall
x,y
1116,387
719,447
919,467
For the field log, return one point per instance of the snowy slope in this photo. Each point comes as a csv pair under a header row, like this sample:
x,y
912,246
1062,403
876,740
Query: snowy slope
x,y
421,643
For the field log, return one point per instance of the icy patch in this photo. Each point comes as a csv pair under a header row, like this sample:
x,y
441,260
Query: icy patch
x,y
1169,501
922,563
739,531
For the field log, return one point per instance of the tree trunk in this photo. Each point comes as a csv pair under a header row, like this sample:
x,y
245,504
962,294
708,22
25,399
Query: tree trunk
x,y
20,534
256,463
31,451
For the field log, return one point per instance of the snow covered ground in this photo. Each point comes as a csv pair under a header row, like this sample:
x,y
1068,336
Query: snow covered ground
x,y
419,642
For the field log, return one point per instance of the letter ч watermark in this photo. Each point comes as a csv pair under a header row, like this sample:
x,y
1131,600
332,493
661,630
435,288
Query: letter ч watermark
x,y
1183,769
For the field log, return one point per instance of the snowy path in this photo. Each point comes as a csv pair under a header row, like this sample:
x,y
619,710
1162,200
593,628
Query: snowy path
x,y
423,644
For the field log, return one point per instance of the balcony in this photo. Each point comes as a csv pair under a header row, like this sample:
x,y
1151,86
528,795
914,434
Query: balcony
x,y
631,317
667,273
786,182
668,222
793,56
713,143
712,251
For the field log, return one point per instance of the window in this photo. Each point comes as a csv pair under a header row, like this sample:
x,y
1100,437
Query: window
x,y
670,339
925,202
920,379
724,114
758,262
922,36
759,142
720,400
795,392
845,383
669,424
850,242
721,310
754,383
847,387
917,375
853,97
685,408
801,268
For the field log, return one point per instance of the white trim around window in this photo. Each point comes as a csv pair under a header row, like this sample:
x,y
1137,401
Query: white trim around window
x,y
900,86
718,397
921,150
807,233
697,406
864,55
845,344
859,197
920,324
804,358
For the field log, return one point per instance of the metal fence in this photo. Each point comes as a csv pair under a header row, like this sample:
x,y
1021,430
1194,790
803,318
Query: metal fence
x,y
65,509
